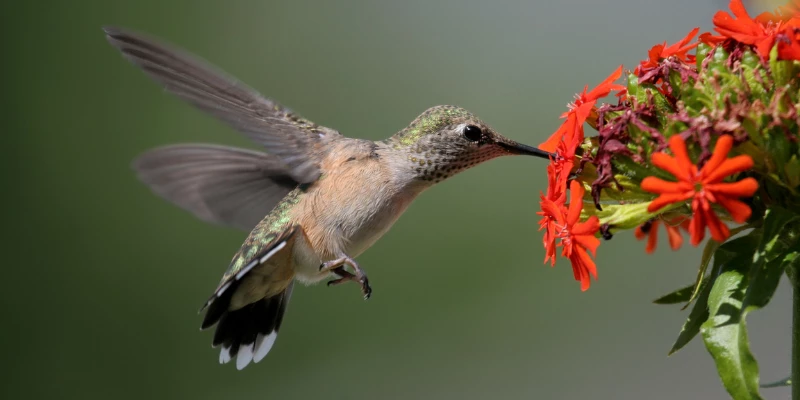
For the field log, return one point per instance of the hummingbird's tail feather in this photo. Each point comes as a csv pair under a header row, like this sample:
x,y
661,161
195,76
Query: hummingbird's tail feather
x,y
249,332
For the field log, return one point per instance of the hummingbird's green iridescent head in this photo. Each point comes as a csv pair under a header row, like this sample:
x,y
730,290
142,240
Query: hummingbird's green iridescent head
x,y
445,140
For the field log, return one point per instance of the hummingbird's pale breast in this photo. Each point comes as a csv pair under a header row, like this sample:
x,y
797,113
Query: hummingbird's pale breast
x,y
359,196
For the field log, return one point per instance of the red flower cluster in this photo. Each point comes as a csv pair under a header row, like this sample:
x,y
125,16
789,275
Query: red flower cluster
x,y
701,188
558,221
762,32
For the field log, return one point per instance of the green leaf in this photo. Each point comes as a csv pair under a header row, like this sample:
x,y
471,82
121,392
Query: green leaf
x,y
699,313
746,282
792,171
708,251
679,296
697,316
725,332
783,382
769,259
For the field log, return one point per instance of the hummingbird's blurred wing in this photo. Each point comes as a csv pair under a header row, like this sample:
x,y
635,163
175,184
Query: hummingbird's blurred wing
x,y
223,185
296,141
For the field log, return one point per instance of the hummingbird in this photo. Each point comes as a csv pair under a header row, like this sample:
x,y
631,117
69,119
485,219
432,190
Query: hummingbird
x,y
312,202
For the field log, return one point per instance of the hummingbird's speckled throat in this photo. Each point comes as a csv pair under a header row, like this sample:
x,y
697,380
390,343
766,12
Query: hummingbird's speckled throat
x,y
312,202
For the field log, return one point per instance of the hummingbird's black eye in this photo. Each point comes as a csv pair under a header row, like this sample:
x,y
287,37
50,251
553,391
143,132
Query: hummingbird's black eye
x,y
472,133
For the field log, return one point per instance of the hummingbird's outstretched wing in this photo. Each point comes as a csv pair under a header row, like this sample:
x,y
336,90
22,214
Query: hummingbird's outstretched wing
x,y
223,185
294,140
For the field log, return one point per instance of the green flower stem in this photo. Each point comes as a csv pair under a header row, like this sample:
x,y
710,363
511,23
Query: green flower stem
x,y
795,336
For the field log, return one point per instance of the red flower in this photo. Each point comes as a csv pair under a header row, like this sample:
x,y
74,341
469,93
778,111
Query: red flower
x,y
782,14
788,39
554,200
745,29
673,226
790,11
559,170
577,238
704,187
572,129
662,51
549,224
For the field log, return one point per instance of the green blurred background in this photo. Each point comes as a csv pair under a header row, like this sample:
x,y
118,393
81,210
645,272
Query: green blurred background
x,y
106,279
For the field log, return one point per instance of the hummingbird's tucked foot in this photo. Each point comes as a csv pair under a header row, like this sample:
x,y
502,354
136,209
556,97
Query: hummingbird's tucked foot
x,y
347,277
337,267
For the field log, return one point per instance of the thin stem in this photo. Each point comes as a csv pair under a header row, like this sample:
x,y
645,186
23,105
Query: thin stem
x,y
796,337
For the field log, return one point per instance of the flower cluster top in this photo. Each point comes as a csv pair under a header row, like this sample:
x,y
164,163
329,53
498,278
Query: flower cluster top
x,y
694,142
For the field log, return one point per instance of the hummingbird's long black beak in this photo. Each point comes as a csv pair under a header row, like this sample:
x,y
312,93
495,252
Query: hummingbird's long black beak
x,y
525,150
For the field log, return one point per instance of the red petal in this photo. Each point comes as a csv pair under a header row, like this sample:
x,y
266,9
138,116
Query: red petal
x,y
589,227
719,154
728,167
552,142
575,203
710,39
675,238
550,253
587,242
666,199
605,87
764,45
697,228
655,185
743,188
679,49
689,37
582,266
738,9
719,231
653,56
653,239
738,210
582,112
671,165
790,50
678,147
552,209
586,262
792,53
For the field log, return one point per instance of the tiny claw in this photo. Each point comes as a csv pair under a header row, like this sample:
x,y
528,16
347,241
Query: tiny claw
x,y
367,293
366,289
337,267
